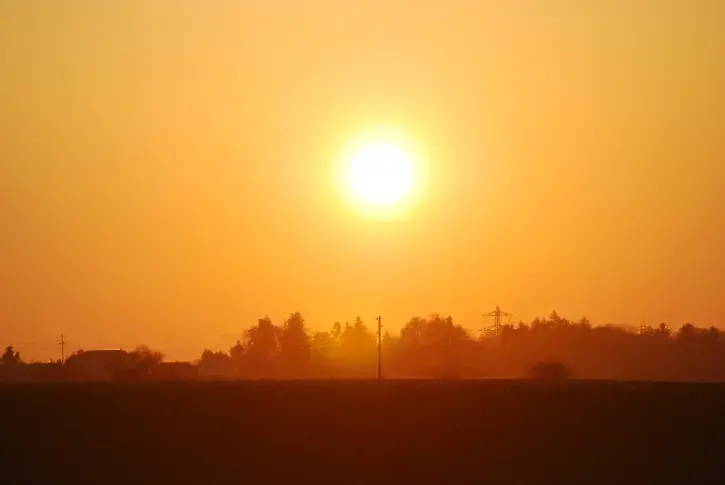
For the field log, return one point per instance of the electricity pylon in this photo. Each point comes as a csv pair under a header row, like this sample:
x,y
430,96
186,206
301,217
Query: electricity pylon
x,y
496,314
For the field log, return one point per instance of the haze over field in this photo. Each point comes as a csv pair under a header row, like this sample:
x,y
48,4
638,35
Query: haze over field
x,y
171,171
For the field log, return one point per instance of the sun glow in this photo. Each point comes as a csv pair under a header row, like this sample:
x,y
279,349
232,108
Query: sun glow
x,y
382,173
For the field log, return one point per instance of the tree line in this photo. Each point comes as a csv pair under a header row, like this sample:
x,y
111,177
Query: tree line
x,y
432,347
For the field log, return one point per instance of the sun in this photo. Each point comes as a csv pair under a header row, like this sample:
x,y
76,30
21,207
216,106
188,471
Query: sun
x,y
383,173
380,173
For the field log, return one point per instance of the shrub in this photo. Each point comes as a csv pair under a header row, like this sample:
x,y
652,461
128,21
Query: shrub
x,y
552,371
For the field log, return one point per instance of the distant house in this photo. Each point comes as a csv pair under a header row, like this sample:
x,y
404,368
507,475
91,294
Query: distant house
x,y
100,365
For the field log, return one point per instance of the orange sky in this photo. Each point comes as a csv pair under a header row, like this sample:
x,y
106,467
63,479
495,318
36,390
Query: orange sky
x,y
165,166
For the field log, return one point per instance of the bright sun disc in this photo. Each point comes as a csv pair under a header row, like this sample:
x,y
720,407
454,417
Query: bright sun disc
x,y
380,174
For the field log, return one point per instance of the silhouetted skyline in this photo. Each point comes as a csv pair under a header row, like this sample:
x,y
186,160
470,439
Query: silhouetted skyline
x,y
168,171
432,347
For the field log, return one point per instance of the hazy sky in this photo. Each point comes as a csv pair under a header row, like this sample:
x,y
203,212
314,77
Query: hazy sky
x,y
165,165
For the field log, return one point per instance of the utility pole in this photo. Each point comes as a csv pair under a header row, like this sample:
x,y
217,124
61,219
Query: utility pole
x,y
62,349
380,347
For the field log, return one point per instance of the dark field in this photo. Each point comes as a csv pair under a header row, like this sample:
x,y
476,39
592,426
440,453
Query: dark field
x,y
398,432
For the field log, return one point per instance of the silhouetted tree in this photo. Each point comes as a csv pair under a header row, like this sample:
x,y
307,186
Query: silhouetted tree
x,y
336,332
262,346
357,343
237,356
357,350
10,364
215,365
435,348
323,344
10,357
326,352
663,330
294,347
145,361
389,345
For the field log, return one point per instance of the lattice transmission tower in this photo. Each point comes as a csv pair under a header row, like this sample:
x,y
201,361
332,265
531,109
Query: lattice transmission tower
x,y
496,327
